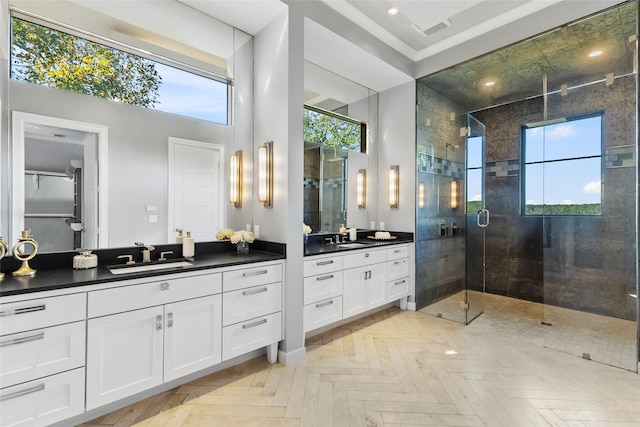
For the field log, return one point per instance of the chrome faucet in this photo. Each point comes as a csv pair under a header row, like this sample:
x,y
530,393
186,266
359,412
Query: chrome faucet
x,y
146,252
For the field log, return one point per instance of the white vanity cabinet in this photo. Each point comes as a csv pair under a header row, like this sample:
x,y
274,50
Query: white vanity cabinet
x,y
341,285
143,334
323,284
42,358
252,310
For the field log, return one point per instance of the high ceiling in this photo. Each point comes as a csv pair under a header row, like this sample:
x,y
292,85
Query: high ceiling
x,y
563,55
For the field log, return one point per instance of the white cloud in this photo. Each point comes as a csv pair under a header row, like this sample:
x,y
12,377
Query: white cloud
x,y
476,198
592,187
557,131
532,202
568,202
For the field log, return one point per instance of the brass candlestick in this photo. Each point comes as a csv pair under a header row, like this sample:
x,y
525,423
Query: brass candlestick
x,y
3,251
20,254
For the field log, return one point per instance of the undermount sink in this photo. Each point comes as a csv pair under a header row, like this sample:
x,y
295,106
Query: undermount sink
x,y
351,245
136,268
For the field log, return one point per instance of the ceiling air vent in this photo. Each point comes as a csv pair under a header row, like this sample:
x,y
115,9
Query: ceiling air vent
x,y
432,30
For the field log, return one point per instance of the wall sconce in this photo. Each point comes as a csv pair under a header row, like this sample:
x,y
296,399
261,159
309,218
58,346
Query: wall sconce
x,y
235,179
361,188
394,186
454,194
265,174
421,195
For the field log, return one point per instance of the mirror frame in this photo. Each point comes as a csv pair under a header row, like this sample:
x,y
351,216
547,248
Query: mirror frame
x,y
17,145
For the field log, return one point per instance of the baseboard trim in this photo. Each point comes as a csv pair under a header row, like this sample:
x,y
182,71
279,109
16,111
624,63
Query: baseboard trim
x,y
292,357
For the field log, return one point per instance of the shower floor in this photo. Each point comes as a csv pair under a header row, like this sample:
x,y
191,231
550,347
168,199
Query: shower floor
x,y
601,338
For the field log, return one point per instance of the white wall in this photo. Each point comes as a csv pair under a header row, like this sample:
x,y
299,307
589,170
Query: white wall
x,y
397,143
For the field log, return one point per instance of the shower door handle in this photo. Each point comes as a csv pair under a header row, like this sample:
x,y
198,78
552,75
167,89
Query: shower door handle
x,y
484,212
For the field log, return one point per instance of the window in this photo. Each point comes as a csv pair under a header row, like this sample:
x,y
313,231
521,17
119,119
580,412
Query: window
x,y
474,174
50,57
326,128
562,168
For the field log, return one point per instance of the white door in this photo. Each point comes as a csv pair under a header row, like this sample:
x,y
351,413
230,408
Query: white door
x,y
193,336
376,286
124,355
354,291
196,188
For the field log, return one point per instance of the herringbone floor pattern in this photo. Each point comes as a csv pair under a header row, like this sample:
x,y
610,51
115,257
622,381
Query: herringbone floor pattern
x,y
398,368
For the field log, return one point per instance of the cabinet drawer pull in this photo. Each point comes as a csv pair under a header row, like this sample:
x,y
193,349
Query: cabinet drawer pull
x,y
330,276
324,262
251,325
397,251
23,310
399,262
159,322
22,340
255,291
164,286
399,282
255,273
20,393
169,320
324,304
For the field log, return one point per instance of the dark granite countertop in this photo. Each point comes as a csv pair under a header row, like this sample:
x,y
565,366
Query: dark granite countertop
x,y
51,276
317,245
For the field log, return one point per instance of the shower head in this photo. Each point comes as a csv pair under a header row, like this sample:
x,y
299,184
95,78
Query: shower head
x,y
453,145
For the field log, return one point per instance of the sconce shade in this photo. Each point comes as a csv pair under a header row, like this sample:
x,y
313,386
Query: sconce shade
x,y
421,195
394,186
361,188
454,194
235,179
265,174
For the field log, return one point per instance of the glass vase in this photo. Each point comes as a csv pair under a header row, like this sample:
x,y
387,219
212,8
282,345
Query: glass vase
x,y
242,248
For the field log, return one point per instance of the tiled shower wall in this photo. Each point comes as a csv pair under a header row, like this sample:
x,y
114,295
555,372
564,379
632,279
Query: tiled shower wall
x,y
584,263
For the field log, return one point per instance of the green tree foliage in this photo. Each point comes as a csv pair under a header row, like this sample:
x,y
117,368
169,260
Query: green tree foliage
x,y
324,129
48,57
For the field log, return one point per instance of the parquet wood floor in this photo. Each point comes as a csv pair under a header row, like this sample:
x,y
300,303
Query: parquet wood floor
x,y
399,368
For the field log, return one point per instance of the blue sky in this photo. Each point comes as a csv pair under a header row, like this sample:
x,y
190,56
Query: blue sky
x,y
569,182
192,95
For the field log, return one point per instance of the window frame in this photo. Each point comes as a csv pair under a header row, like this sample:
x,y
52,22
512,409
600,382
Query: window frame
x,y
524,163
132,50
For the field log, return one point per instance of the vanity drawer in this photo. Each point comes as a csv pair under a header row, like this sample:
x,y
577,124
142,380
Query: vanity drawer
x,y
43,402
244,304
247,336
247,277
397,269
397,289
322,313
316,265
364,257
323,286
133,297
40,313
29,355
397,252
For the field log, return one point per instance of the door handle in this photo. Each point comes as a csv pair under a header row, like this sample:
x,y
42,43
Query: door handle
x,y
486,214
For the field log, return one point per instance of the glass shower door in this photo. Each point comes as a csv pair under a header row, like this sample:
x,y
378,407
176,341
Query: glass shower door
x,y
477,218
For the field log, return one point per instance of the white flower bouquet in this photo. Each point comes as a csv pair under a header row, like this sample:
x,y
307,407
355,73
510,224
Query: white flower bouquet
x,y
242,236
224,234
306,229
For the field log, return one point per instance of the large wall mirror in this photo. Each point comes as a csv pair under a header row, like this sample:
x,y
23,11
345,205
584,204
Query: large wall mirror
x,y
134,167
331,171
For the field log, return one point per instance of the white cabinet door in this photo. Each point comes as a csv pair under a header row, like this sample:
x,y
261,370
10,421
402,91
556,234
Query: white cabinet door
x,y
354,291
376,285
192,336
124,355
44,401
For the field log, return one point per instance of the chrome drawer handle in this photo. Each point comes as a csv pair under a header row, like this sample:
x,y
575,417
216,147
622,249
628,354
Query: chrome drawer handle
x,y
164,286
255,291
159,322
22,340
330,276
397,251
399,262
23,310
324,262
169,320
20,393
255,273
324,304
400,282
251,325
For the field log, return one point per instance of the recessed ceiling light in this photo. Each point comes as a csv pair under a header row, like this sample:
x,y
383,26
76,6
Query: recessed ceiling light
x,y
595,53
392,11
490,83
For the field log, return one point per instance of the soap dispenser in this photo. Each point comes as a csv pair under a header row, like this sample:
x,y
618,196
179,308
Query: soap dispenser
x,y
188,246
353,233
179,237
